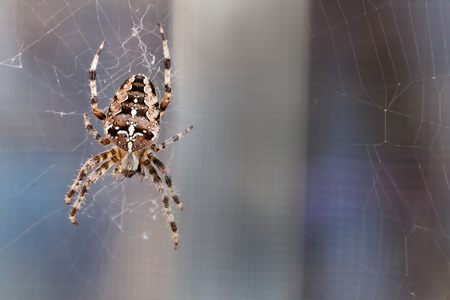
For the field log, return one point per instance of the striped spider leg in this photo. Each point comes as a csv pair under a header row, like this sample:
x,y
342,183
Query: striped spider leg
x,y
166,192
109,158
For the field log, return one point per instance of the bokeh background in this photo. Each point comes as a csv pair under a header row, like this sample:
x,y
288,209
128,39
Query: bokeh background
x,y
316,169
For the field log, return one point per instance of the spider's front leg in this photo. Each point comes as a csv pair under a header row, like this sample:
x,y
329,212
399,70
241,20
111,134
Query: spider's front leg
x,y
94,176
147,163
86,167
167,179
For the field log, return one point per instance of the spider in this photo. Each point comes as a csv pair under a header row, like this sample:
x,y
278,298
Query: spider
x,y
132,125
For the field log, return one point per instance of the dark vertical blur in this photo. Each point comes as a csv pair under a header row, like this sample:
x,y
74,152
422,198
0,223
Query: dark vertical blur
x,y
378,198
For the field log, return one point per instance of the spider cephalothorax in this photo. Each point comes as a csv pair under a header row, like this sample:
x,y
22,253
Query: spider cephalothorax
x,y
132,125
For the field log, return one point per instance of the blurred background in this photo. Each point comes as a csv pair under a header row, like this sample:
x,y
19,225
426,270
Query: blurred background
x,y
239,71
316,169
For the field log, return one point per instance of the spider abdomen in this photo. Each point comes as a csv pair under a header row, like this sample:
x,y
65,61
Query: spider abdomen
x,y
132,120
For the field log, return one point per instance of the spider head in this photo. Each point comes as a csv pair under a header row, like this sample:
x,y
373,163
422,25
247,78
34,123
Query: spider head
x,y
129,164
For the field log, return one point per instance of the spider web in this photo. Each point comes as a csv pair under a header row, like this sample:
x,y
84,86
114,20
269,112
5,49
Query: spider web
x,y
240,231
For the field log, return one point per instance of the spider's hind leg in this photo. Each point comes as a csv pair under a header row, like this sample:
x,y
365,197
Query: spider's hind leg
x,y
167,85
94,132
93,84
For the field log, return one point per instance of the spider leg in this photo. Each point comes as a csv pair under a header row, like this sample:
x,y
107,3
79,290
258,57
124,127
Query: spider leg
x,y
167,85
93,85
168,180
96,174
92,162
157,148
162,190
116,171
94,132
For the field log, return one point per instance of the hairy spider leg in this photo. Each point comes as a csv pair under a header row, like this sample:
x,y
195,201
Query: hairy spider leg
x,y
166,143
94,132
162,190
92,162
167,85
96,174
167,179
93,85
